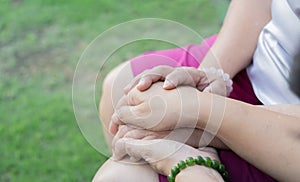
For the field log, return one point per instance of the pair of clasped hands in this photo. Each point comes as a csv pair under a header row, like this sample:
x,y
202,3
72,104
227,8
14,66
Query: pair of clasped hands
x,y
159,103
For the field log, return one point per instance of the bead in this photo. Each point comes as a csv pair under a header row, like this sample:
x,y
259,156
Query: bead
x,y
220,72
221,168
215,164
199,160
212,69
181,165
229,89
171,178
229,83
207,162
225,175
226,76
175,170
190,161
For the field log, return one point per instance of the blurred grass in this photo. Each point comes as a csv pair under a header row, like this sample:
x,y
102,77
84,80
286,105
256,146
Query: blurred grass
x,y
40,44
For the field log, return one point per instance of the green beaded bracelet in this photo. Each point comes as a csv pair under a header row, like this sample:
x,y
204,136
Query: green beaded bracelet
x,y
190,161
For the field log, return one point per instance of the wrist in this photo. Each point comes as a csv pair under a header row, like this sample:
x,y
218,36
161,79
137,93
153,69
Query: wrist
x,y
198,172
217,75
212,112
204,98
198,168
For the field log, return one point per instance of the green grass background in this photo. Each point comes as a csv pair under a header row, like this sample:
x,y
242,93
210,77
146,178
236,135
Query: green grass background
x,y
40,44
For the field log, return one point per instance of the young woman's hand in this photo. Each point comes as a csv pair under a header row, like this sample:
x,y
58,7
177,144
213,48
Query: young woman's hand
x,y
211,80
172,78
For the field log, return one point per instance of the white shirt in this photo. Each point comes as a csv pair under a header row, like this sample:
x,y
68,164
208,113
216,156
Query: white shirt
x,y
278,42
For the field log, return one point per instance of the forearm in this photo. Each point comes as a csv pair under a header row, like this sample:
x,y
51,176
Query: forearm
x,y
289,109
238,36
269,140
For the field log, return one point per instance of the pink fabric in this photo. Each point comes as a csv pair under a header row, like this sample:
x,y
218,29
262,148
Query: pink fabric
x,y
192,55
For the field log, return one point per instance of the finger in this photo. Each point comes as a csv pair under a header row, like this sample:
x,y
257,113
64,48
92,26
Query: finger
x,y
114,124
203,81
119,151
122,102
134,159
169,84
142,81
147,80
184,76
174,78
113,128
136,134
149,138
130,115
154,75
132,84
207,89
115,121
141,134
123,129
151,150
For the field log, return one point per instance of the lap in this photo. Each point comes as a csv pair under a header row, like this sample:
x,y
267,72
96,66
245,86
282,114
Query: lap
x,y
192,56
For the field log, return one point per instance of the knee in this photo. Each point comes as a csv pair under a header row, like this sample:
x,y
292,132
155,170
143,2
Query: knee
x,y
104,174
115,76
104,177
112,89
108,81
106,103
112,171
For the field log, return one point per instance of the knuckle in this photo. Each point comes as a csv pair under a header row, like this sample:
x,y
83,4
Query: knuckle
x,y
120,114
192,71
133,97
122,128
141,111
162,69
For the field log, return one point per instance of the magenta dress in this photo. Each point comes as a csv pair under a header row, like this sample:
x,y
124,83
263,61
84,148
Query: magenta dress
x,y
192,55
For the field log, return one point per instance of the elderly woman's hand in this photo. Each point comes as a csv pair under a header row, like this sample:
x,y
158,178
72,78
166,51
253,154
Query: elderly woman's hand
x,y
162,155
158,109
192,137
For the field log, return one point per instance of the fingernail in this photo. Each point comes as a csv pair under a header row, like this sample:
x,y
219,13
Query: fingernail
x,y
114,118
207,89
112,128
167,83
141,82
126,88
